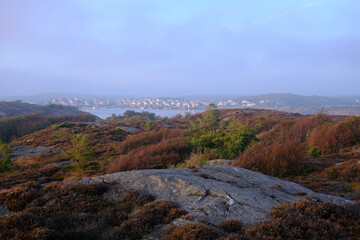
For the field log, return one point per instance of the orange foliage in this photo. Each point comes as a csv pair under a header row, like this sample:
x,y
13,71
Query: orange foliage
x,y
280,160
156,149
282,149
279,153
334,137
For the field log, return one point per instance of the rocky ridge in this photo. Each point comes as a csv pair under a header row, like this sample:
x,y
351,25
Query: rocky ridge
x,y
214,193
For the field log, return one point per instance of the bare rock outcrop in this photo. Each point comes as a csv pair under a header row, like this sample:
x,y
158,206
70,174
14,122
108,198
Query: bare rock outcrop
x,y
26,151
217,192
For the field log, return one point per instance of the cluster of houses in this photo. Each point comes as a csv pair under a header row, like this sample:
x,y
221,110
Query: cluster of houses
x,y
153,103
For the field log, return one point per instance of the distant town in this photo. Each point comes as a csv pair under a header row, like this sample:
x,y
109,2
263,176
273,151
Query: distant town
x,y
280,102
150,103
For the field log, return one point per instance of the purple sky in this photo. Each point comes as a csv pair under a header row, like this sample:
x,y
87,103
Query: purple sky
x,y
176,48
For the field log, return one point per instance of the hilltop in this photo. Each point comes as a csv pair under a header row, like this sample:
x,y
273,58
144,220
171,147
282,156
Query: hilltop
x,y
16,108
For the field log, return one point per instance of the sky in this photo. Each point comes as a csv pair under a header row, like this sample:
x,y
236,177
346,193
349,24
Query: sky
x,y
180,47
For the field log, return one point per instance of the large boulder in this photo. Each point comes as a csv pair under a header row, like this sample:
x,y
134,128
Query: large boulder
x,y
216,192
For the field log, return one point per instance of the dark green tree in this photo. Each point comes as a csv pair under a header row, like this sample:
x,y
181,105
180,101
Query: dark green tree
x,y
129,114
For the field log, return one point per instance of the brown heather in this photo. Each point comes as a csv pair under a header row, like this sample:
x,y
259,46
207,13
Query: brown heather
x,y
80,211
193,231
156,149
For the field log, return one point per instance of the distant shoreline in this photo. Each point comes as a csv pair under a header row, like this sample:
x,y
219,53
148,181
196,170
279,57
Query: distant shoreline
x,y
104,113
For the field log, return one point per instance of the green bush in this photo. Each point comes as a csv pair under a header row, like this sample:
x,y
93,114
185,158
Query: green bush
x,y
226,140
80,152
144,114
58,133
147,126
315,151
5,157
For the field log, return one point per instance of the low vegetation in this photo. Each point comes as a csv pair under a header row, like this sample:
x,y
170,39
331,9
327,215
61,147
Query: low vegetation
x,y
80,211
155,149
282,150
80,152
315,151
232,226
305,219
18,126
5,157
226,140
193,231
302,219
321,152
144,114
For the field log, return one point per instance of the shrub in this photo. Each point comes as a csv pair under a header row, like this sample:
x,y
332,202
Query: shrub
x,y
80,151
226,140
199,159
143,114
232,226
59,133
193,231
22,195
156,149
348,171
147,138
281,150
333,137
147,126
148,216
315,151
42,175
130,199
305,219
5,157
278,159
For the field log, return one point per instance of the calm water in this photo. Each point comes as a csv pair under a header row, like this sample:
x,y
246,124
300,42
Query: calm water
x,y
104,113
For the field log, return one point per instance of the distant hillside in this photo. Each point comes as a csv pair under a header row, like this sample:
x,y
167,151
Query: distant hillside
x,y
18,119
302,104
16,108
273,101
